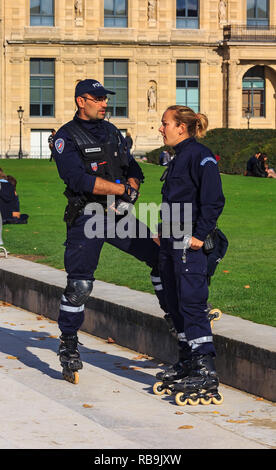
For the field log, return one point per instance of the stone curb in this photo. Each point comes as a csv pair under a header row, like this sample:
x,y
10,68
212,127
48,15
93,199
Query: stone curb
x,y
246,352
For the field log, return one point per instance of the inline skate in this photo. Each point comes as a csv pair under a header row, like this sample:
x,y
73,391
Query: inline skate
x,y
201,384
168,377
69,357
178,371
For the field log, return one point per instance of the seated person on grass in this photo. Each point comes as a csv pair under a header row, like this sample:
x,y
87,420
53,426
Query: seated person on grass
x,y
9,202
270,173
254,166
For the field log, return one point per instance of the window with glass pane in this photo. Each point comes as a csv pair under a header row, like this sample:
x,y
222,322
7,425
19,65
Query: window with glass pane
x,y
187,84
42,12
115,13
116,79
187,14
42,87
258,13
253,92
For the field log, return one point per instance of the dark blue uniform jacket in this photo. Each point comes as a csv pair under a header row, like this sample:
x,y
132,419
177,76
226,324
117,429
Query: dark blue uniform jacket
x,y
9,202
193,177
70,166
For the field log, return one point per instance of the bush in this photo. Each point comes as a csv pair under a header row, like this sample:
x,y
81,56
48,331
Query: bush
x,y
234,146
270,149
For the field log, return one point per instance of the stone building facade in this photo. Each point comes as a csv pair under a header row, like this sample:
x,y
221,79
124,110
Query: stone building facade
x,y
218,57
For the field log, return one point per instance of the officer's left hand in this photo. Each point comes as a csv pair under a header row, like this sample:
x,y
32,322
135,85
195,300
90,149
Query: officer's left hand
x,y
130,195
134,183
196,244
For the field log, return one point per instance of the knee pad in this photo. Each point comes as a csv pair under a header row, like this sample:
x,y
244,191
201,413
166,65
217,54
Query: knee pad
x,y
77,291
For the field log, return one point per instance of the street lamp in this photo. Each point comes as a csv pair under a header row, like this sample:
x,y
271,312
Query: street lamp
x,y
20,116
248,117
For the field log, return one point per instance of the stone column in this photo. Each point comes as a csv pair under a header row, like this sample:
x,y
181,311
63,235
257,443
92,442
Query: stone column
x,y
234,100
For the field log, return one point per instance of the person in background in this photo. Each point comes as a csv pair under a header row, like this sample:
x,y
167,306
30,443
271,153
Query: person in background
x,y
129,141
9,201
51,142
254,166
265,166
164,158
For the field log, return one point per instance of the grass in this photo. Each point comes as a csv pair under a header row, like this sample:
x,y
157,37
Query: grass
x,y
248,221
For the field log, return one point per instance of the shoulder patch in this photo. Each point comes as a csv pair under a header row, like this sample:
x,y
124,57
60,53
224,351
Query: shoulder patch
x,y
208,159
59,145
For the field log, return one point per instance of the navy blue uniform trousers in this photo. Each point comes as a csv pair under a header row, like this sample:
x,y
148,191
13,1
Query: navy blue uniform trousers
x,y
186,292
81,260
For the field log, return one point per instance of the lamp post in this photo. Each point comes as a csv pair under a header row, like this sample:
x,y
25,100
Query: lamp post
x,y
248,117
20,116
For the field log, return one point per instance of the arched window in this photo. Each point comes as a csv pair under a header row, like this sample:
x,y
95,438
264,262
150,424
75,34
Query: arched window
x,y
253,92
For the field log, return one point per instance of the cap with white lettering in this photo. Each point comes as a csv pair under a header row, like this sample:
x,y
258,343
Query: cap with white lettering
x,y
93,87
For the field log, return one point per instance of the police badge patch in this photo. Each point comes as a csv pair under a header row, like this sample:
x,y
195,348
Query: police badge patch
x,y
208,159
94,166
59,144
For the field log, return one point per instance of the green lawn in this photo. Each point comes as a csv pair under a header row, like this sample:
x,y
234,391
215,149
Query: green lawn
x,y
248,221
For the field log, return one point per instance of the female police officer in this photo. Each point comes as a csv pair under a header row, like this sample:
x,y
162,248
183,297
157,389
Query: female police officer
x,y
192,181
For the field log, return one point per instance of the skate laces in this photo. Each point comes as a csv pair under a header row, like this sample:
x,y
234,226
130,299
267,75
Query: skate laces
x,y
69,343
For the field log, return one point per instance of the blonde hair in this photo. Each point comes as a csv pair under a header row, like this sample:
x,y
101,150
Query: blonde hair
x,y
197,123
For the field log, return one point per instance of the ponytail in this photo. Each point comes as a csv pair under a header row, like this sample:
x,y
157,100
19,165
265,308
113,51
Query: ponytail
x,y
197,123
201,125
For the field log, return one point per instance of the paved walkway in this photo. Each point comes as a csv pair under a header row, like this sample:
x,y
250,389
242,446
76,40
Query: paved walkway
x,y
112,407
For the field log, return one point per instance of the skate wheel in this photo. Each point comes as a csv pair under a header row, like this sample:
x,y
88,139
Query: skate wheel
x,y
180,399
158,388
169,391
218,399
72,377
217,314
76,378
206,401
193,400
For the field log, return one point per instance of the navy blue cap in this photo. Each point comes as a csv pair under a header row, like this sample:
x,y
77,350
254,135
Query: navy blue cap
x,y
93,87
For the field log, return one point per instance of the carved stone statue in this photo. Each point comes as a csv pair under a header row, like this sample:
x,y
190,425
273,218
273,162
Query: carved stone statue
x,y
78,8
222,12
152,98
152,10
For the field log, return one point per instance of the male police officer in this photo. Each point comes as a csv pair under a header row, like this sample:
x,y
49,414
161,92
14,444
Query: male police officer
x,y
93,161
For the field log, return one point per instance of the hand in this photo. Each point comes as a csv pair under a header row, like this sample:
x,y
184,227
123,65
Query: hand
x,y
156,240
130,195
134,183
196,244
